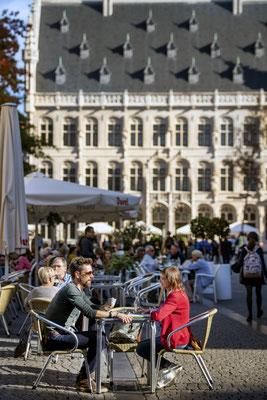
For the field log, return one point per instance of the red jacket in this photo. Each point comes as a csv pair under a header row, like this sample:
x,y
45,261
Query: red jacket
x,y
173,314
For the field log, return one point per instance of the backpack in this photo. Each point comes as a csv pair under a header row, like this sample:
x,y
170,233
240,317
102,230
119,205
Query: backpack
x,y
252,267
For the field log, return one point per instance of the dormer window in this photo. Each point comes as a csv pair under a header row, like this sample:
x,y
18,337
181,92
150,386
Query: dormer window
x,y
64,23
150,24
171,48
60,73
193,73
127,47
84,48
238,74
259,46
149,74
104,73
215,50
193,24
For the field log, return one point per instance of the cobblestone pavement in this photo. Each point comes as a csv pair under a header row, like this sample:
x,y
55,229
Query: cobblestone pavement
x,y
236,356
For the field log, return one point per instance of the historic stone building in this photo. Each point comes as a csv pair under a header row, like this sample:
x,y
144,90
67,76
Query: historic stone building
x,y
151,98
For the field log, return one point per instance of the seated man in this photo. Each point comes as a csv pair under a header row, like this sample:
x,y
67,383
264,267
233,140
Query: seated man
x,y
148,263
59,266
66,307
47,290
198,265
176,253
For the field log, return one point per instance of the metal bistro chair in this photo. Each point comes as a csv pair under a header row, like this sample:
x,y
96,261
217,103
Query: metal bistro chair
x,y
141,297
41,322
209,289
24,289
197,354
6,294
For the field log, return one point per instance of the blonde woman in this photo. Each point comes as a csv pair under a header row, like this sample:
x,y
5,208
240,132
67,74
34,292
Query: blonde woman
x,y
47,290
173,314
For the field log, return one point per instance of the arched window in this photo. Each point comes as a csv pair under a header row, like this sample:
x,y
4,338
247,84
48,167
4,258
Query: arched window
x,y
91,132
204,132
115,132
114,177
228,213
137,177
159,132
204,177
251,132
182,215
136,132
181,132
205,211
91,174
227,132
46,128
251,215
159,215
70,172
181,177
227,175
159,176
69,132
47,169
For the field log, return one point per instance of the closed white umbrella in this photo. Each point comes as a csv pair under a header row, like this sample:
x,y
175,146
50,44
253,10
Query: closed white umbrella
x,y
13,215
184,230
237,227
100,228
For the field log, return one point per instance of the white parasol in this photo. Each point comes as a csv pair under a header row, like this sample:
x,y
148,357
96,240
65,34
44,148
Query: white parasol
x,y
13,215
154,230
237,227
100,228
184,230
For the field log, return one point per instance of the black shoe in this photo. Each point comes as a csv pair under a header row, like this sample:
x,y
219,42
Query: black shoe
x,y
259,313
249,318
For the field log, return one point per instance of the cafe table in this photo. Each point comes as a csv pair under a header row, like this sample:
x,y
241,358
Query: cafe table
x,y
136,318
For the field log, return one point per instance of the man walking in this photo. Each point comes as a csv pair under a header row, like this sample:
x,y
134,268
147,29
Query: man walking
x,y
86,243
65,308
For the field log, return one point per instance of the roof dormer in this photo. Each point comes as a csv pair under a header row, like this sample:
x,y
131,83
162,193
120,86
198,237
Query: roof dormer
x,y
193,24
259,46
84,48
149,74
150,24
60,73
215,49
127,47
238,74
193,73
64,23
171,48
104,73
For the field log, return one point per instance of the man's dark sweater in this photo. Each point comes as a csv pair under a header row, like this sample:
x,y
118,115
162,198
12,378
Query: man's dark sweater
x,y
87,248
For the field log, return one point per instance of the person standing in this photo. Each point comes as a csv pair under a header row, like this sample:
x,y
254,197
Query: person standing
x,y
250,258
226,250
86,243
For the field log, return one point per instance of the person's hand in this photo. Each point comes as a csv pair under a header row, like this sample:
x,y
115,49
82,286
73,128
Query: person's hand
x,y
106,307
141,310
125,318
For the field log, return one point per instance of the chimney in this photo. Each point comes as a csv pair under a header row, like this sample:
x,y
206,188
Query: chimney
x,y
127,47
149,74
104,73
259,47
64,23
215,50
84,48
171,48
193,73
150,24
238,74
193,24
237,7
60,73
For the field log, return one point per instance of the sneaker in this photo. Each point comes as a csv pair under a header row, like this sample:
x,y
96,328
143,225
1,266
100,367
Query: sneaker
x,y
168,375
82,385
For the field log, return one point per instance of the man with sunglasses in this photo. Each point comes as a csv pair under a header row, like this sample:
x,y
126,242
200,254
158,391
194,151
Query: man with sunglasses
x,y
66,307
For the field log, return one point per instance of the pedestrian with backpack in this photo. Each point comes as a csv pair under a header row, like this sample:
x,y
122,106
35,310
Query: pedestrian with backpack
x,y
253,272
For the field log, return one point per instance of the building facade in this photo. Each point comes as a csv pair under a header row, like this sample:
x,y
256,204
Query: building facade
x,y
154,99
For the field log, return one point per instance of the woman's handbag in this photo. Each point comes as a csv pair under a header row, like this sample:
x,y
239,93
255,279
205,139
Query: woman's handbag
x,y
195,343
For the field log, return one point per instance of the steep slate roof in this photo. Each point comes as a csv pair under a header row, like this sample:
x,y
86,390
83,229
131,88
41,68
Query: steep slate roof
x,y
106,36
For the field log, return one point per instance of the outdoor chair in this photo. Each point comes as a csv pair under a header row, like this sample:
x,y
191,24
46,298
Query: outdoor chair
x,y
209,289
197,354
40,323
24,289
6,294
141,297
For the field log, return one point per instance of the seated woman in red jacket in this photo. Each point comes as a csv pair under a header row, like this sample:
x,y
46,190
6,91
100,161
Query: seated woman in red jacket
x,y
173,314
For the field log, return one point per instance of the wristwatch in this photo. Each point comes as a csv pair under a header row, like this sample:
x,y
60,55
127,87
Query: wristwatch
x,y
110,314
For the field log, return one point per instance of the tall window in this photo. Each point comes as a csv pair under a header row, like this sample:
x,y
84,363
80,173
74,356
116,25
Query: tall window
x,y
251,133
250,180
159,215
181,132
159,177
91,174
227,132
70,172
204,178
159,132
181,178
137,177
204,132
136,132
47,131
71,230
205,211
47,169
69,132
91,132
228,213
182,215
115,132
251,215
227,179
114,177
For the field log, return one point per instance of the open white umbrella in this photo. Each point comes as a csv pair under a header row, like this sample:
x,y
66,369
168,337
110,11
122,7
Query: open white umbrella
x,y
100,228
184,230
237,227
13,215
150,228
